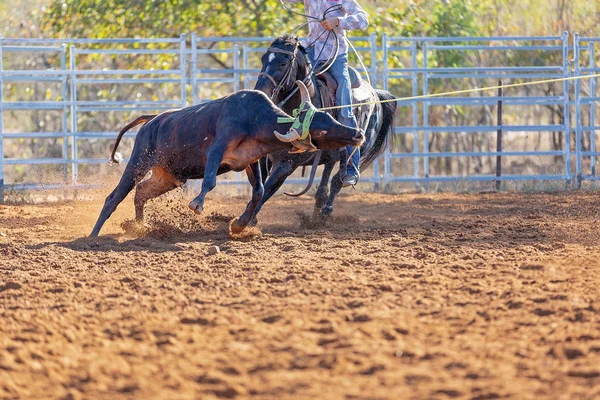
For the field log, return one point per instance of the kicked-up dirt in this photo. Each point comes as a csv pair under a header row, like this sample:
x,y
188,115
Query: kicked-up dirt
x,y
483,296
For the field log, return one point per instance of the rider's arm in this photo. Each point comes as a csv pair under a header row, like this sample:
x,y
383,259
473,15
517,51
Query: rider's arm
x,y
357,17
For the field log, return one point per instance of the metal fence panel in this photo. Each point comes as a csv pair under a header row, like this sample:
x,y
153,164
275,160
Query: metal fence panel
x,y
198,69
586,108
421,74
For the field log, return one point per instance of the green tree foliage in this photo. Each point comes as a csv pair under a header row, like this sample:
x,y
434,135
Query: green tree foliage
x,y
169,18
262,18
154,18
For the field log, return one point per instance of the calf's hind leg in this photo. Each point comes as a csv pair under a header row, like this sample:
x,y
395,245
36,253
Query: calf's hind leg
x,y
159,183
125,185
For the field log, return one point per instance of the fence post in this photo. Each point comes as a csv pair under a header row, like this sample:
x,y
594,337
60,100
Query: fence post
x,y
415,111
182,65
1,126
245,64
194,69
499,138
567,120
425,118
374,60
578,129
236,67
74,163
65,122
592,94
387,151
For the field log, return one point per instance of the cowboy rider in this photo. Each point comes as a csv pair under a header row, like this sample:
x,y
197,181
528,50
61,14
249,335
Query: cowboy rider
x,y
348,15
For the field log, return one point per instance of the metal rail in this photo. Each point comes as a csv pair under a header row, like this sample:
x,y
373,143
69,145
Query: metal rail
x,y
189,70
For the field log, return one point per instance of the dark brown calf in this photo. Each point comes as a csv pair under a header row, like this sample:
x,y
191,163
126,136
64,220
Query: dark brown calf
x,y
205,140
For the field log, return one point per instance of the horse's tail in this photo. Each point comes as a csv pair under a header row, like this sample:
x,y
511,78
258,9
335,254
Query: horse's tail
x,y
385,136
116,157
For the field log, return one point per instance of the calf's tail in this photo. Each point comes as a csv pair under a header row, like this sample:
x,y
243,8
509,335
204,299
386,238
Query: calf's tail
x,y
116,157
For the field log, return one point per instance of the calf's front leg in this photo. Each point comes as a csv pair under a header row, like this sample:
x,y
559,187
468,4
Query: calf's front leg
x,y
213,161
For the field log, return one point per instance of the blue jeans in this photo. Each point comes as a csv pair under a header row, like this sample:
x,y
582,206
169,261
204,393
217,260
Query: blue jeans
x,y
343,97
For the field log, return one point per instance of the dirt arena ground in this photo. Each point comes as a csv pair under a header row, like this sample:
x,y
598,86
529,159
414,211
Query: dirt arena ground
x,y
483,296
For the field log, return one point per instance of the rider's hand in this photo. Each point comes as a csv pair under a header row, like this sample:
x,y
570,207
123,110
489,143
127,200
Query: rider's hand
x,y
330,23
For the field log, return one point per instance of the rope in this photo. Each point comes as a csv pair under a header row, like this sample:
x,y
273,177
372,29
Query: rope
x,y
426,96
296,12
359,59
330,59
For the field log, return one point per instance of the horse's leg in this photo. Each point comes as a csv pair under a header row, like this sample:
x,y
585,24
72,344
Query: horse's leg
x,y
254,177
336,186
159,183
213,160
278,175
323,189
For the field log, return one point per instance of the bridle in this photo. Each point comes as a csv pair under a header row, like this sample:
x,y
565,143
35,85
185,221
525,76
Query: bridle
x,y
287,78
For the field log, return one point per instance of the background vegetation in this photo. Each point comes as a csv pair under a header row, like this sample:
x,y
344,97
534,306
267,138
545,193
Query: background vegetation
x,y
254,18
169,18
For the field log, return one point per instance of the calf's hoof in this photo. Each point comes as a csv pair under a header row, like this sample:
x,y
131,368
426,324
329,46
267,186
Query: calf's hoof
x,y
195,207
235,227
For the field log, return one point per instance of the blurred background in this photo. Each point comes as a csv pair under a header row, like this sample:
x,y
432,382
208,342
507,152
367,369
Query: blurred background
x,y
98,118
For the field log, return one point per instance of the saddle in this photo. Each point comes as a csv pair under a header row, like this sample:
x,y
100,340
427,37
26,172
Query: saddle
x,y
327,86
332,84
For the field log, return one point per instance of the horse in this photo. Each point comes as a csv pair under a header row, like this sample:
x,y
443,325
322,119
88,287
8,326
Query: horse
x,y
286,61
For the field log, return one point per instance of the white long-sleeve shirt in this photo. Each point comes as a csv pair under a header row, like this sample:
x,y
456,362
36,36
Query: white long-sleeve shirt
x,y
351,17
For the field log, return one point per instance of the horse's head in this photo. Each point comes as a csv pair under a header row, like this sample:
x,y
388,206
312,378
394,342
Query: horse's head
x,y
282,64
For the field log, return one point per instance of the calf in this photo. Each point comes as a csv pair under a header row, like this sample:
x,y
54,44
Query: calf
x,y
205,140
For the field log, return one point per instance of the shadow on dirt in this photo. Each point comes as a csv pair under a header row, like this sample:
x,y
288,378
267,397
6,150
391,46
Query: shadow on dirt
x,y
453,223
155,236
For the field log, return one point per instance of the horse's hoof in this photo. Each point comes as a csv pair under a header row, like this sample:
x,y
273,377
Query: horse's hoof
x,y
326,211
195,207
253,222
235,227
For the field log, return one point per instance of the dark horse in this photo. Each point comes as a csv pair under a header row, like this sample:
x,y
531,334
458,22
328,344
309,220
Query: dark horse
x,y
285,62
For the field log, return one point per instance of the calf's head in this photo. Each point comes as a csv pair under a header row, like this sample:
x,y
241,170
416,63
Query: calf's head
x,y
324,131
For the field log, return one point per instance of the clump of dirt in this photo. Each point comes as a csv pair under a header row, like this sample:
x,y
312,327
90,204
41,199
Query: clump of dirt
x,y
249,233
169,217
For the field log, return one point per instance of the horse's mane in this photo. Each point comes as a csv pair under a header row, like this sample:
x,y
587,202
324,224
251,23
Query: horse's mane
x,y
288,41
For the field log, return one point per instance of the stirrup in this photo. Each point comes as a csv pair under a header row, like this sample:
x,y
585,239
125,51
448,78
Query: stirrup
x,y
350,180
